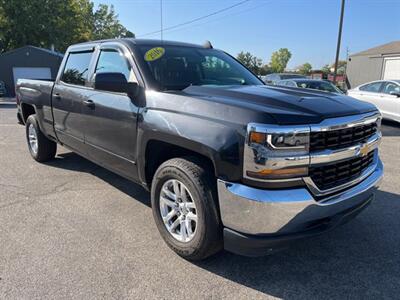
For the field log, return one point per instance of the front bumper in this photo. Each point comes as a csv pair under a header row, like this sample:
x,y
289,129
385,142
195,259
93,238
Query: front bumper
x,y
258,220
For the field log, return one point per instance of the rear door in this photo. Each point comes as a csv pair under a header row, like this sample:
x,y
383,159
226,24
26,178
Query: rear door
x,y
69,93
110,124
390,104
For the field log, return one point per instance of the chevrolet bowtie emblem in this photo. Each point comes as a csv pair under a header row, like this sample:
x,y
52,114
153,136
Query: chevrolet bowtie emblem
x,y
364,150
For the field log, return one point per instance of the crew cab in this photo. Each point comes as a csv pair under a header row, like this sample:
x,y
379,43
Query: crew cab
x,y
229,162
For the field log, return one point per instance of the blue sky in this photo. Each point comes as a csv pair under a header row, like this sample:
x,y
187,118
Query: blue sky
x,y
308,28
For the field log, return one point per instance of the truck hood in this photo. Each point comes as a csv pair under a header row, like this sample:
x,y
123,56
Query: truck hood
x,y
284,105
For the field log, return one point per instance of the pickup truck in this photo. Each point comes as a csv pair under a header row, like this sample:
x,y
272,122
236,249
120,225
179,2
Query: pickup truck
x,y
229,162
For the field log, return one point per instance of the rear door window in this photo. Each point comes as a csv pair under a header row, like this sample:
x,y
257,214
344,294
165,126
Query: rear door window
x,y
77,68
374,87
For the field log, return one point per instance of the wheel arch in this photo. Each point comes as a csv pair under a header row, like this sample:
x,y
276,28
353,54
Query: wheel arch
x,y
158,151
27,110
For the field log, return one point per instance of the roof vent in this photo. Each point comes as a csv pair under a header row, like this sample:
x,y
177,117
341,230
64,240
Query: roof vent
x,y
207,45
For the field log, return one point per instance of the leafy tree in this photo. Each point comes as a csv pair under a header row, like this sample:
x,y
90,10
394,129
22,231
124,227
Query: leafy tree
x,y
305,68
106,24
45,22
326,69
279,60
60,23
341,67
265,69
253,63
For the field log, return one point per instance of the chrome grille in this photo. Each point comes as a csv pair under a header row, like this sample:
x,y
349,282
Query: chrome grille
x,y
341,138
335,174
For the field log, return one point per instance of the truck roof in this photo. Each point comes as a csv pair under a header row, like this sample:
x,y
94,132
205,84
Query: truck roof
x,y
145,42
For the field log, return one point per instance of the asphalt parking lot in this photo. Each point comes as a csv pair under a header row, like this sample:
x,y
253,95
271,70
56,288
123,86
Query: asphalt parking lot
x,y
71,229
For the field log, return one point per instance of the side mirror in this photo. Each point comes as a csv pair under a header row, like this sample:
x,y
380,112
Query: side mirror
x,y
394,93
115,82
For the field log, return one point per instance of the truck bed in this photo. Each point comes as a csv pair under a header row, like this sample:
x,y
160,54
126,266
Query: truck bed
x,y
38,94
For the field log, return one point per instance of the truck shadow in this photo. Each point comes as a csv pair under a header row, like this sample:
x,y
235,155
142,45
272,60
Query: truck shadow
x,y
360,259
390,128
74,162
357,260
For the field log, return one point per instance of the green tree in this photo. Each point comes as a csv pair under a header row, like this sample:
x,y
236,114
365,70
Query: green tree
x,y
253,63
279,60
44,23
2,26
341,67
265,69
106,24
305,69
326,69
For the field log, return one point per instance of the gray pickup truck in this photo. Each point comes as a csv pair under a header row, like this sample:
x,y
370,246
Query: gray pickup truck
x,y
230,162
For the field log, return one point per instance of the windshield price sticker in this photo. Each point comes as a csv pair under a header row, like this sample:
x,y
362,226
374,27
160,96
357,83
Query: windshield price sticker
x,y
154,54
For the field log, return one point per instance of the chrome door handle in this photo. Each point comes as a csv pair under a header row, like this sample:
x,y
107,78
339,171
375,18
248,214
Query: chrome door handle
x,y
89,103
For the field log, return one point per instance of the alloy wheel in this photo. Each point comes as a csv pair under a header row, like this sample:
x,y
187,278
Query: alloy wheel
x,y
178,210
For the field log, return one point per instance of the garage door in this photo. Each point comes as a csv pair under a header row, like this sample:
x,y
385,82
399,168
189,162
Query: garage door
x,y
31,73
392,68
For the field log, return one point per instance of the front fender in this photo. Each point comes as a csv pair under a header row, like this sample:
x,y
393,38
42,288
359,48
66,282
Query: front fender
x,y
220,141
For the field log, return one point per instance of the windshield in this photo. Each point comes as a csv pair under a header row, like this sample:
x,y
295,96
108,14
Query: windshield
x,y
319,85
176,68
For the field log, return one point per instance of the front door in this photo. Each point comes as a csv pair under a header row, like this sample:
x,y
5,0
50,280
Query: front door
x,y
390,103
111,120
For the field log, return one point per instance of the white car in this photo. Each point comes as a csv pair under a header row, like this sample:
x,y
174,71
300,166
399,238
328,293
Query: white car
x,y
385,94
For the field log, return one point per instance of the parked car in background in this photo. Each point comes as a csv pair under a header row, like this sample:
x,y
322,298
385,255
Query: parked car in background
x,y
313,84
2,89
385,94
275,77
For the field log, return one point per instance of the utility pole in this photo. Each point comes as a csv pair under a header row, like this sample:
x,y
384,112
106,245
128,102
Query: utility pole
x,y
338,41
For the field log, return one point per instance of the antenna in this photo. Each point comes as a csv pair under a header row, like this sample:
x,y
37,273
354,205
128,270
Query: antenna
x,y
161,18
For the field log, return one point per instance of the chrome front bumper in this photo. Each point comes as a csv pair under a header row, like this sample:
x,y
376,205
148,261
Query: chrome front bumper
x,y
256,211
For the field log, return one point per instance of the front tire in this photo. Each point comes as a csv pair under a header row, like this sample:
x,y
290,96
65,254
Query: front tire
x,y
41,148
183,199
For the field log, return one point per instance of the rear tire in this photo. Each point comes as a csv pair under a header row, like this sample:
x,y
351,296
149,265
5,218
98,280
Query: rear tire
x,y
41,148
203,238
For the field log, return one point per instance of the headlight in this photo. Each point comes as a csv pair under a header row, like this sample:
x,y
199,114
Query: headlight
x,y
282,141
276,152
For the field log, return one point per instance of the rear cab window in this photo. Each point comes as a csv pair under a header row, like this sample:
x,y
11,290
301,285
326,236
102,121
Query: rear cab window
x,y
76,68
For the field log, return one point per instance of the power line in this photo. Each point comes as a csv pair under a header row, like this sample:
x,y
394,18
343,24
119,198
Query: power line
x,y
196,19
219,19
